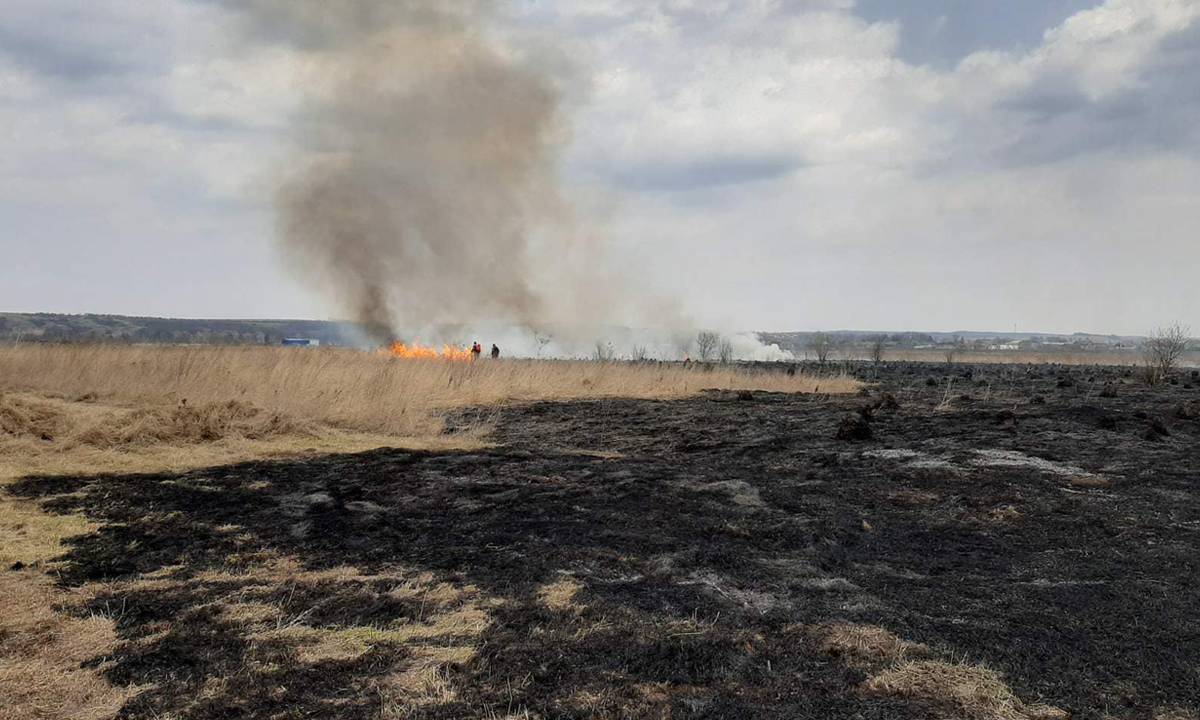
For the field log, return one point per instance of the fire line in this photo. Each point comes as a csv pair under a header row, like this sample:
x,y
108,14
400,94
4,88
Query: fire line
x,y
450,353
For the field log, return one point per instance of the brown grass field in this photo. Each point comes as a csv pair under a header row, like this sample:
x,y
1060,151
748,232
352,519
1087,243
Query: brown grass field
x,y
69,410
355,390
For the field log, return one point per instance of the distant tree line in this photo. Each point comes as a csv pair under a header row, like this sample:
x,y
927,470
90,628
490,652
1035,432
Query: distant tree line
x,y
119,329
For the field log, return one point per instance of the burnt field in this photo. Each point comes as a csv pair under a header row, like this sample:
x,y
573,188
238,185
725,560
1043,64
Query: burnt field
x,y
957,542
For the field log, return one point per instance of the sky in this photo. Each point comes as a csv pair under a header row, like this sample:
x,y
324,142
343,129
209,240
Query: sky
x,y
1028,165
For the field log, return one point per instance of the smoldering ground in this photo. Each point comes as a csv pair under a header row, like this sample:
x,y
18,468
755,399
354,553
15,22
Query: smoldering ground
x,y
424,183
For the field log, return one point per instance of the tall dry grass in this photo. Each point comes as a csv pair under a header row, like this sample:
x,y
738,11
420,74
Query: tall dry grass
x,y
86,409
353,390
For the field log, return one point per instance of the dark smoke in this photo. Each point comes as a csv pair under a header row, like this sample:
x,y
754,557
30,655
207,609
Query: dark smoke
x,y
426,161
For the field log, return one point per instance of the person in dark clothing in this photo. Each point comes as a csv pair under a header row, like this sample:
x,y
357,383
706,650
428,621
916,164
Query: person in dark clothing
x,y
495,351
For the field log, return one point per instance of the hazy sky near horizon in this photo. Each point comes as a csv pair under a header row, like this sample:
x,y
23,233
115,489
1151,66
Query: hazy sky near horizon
x,y
773,164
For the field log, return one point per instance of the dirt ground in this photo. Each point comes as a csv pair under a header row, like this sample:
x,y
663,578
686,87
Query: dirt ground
x,y
991,542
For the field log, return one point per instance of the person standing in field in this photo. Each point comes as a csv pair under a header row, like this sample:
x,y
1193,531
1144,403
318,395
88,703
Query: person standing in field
x,y
476,349
495,351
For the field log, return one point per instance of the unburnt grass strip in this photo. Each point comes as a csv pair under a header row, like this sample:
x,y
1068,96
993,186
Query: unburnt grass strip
x,y
52,655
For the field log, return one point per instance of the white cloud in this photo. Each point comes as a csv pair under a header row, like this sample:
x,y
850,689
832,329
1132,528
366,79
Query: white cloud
x,y
251,91
818,180
774,164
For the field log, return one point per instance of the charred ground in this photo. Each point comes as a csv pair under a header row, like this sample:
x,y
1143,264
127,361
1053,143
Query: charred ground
x,y
677,559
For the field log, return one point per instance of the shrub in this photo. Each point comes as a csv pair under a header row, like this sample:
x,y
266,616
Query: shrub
x,y
821,346
876,349
1162,351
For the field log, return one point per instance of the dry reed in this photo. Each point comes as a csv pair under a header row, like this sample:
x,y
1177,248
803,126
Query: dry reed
x,y
355,390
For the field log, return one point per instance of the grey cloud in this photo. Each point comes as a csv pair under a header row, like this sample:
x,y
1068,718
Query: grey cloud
x,y
78,43
942,32
56,58
322,25
705,172
1159,111
1047,98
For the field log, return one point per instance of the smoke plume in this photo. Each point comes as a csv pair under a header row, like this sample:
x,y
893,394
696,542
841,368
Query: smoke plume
x,y
423,188
426,161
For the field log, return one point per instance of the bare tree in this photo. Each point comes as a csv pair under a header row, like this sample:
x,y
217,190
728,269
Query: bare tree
x,y
876,349
604,352
640,354
706,345
725,351
1162,351
542,341
821,345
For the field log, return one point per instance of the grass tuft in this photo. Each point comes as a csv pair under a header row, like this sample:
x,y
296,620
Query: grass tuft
x,y
962,692
865,645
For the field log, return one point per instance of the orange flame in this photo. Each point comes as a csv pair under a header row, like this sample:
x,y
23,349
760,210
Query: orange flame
x,y
449,353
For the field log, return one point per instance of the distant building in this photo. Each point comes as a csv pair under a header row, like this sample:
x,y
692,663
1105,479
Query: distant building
x,y
301,342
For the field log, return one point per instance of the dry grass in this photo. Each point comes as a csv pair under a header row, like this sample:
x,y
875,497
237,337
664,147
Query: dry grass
x,y
49,436
961,692
42,651
74,408
453,618
903,669
560,596
42,654
67,410
355,390
424,680
865,645
1176,713
30,536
